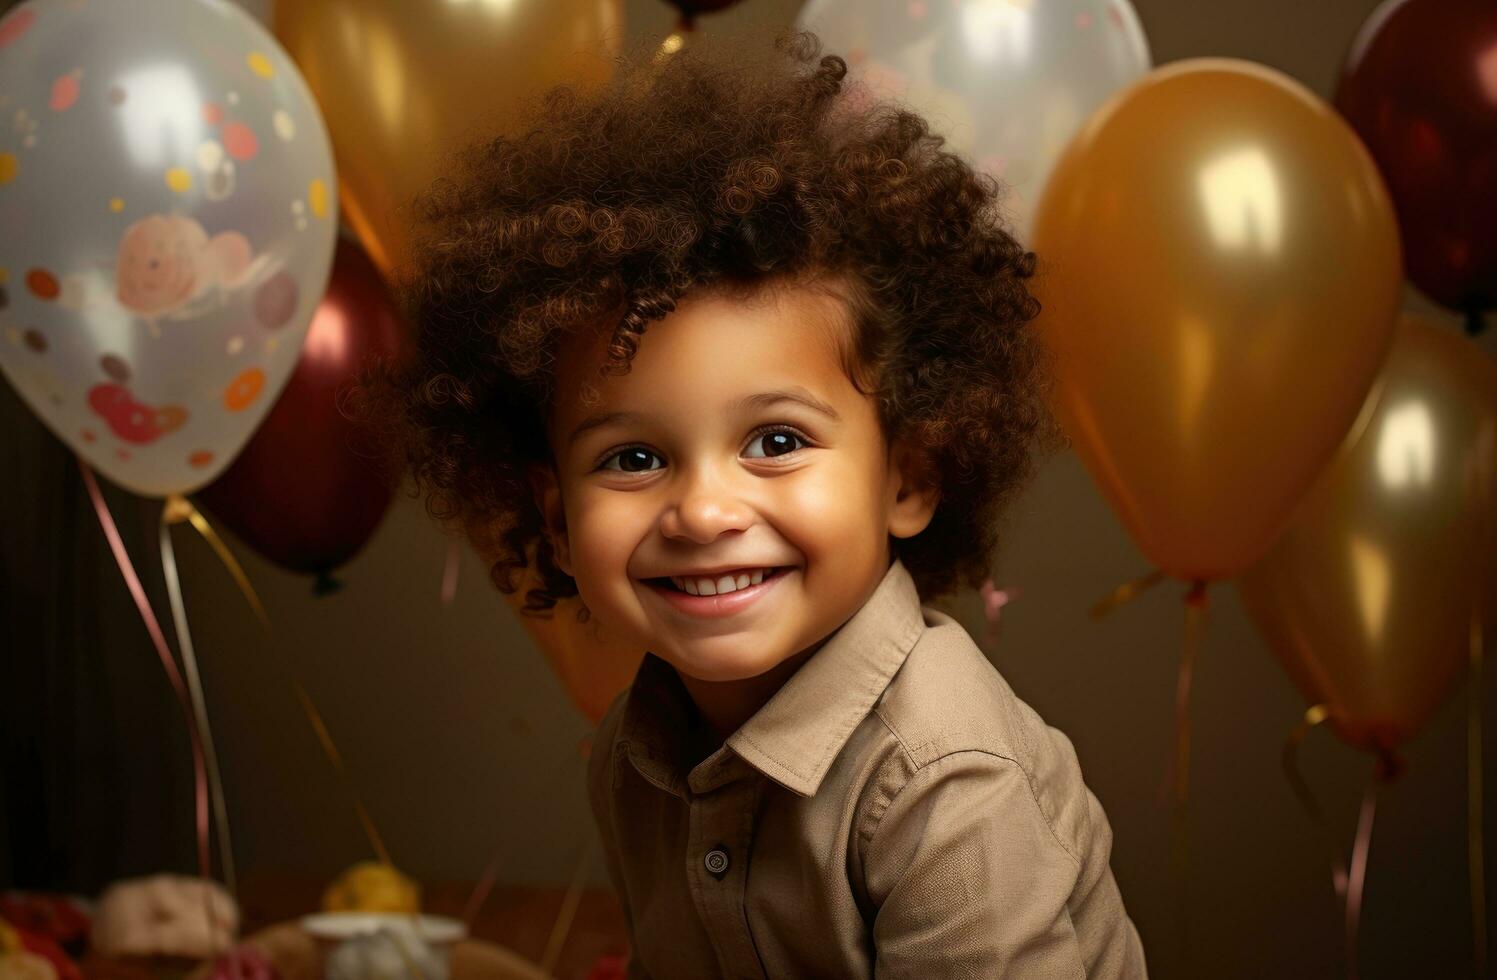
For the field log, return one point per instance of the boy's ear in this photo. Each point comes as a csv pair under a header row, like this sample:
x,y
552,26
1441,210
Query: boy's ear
x,y
915,492
547,492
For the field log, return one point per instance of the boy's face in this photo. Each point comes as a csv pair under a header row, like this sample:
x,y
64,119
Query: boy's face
x,y
736,460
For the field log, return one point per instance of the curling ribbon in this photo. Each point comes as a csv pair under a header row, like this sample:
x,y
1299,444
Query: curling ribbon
x,y
1475,851
1126,592
132,582
449,571
1196,605
568,911
172,513
1349,883
186,510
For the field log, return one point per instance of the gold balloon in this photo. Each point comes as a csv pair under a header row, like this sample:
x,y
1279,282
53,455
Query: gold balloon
x,y
1368,597
591,664
403,85
1219,271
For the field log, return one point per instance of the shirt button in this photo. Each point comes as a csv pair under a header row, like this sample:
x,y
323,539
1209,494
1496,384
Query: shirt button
x,y
717,862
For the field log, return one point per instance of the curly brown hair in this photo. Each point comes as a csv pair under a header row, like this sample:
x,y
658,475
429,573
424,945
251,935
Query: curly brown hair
x,y
709,171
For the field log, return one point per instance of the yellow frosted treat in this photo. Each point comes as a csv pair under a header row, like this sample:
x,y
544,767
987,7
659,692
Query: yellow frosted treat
x,y
372,887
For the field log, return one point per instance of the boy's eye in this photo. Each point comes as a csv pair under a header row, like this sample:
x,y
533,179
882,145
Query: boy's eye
x,y
634,460
776,443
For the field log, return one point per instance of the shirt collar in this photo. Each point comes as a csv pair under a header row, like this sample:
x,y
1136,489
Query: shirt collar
x,y
797,734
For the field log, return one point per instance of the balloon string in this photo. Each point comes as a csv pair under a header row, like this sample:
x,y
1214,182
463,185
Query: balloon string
x,y
132,582
186,510
1196,604
1475,849
1348,883
200,712
568,911
449,571
1126,592
1314,715
1357,876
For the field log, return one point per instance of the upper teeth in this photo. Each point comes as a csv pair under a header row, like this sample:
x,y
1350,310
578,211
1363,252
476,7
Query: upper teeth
x,y
741,579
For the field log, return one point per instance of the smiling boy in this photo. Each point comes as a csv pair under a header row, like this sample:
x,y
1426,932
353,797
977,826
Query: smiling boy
x,y
746,367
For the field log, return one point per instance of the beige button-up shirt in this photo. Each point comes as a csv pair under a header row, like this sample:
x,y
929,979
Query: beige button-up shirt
x,y
894,810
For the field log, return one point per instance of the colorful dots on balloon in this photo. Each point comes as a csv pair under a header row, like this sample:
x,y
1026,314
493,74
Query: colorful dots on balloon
x,y
240,141
116,95
65,91
123,454
235,345
128,419
17,24
87,435
116,204
9,167
244,389
170,418
179,180
209,155
317,197
36,341
213,113
260,65
115,366
275,300
43,284
200,458
285,127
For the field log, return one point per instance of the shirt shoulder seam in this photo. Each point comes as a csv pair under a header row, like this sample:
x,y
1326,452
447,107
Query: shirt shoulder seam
x,y
918,767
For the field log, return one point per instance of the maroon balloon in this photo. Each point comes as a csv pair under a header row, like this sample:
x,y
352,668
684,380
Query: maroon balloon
x,y
691,9
1420,87
308,490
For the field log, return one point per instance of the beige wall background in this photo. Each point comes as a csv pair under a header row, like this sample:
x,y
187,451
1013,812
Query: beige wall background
x,y
463,744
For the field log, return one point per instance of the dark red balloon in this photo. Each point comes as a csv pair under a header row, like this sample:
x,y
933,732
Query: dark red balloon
x,y
308,490
1420,88
690,9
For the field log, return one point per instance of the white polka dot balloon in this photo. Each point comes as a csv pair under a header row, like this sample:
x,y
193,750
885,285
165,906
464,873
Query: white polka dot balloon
x,y
168,199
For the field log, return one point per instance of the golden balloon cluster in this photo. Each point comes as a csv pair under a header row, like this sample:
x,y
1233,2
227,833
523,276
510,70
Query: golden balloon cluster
x,y
1221,276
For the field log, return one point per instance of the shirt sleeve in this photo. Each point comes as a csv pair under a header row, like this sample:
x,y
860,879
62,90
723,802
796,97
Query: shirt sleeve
x,y
969,878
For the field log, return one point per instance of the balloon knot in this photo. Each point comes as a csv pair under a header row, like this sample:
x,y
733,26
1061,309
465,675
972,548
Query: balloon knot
x,y
1390,764
326,584
1196,596
1476,321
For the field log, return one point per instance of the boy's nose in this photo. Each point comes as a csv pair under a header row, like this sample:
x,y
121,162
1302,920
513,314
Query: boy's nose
x,y
705,510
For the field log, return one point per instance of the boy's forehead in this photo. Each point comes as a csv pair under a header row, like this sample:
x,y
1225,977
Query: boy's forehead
x,y
715,340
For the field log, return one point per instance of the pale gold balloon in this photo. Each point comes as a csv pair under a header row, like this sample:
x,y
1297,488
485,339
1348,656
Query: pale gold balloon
x,y
1219,271
592,665
1368,597
592,669
404,84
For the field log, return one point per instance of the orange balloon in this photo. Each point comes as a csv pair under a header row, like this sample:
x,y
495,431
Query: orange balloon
x,y
403,85
1219,275
1369,596
593,667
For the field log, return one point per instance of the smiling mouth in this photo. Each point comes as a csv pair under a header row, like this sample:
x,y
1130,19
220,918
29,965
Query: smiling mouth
x,y
724,583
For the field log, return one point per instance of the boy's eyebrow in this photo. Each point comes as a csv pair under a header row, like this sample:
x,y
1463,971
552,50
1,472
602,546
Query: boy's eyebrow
x,y
759,400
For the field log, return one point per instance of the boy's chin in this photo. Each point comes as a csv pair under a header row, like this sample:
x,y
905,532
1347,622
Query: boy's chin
x,y
725,662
